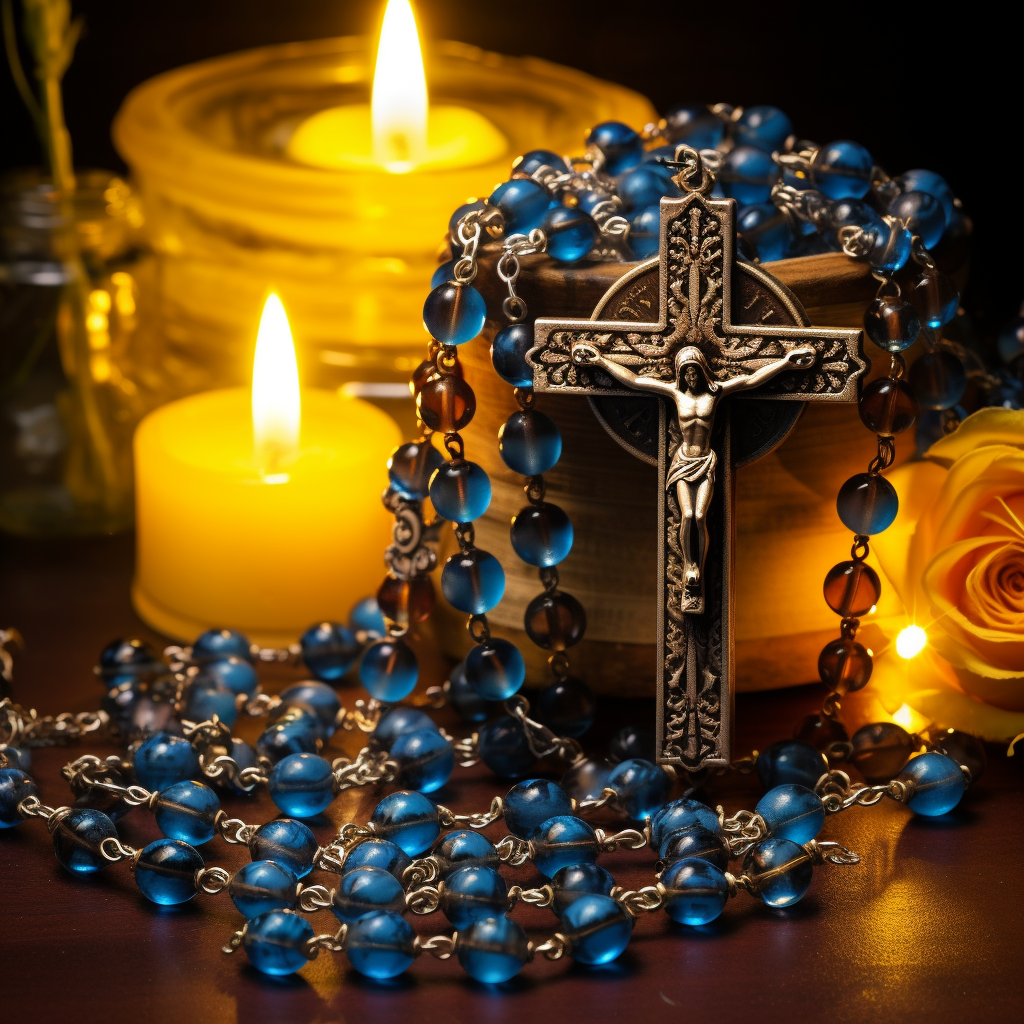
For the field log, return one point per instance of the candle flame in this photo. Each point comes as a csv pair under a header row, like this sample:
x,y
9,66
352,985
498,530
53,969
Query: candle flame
x,y
276,406
399,104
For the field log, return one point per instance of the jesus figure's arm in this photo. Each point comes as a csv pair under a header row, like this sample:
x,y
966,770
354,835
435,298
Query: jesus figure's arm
x,y
800,358
587,355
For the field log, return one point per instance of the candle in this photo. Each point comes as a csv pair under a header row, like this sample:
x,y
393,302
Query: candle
x,y
259,510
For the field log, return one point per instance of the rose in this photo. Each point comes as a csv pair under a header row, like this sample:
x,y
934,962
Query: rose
x,y
955,557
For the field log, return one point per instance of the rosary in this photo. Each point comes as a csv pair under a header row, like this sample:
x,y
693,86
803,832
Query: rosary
x,y
667,196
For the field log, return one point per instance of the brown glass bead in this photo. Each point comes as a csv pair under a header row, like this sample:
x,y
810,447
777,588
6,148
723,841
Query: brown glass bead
x,y
446,403
405,602
555,621
880,750
888,406
962,747
844,666
819,731
852,588
421,375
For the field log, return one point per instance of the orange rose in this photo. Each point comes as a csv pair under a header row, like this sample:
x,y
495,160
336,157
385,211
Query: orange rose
x,y
955,557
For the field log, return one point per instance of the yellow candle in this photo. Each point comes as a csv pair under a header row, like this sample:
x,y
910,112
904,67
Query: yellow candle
x,y
254,515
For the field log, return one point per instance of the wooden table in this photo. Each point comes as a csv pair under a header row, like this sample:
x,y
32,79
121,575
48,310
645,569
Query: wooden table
x,y
927,927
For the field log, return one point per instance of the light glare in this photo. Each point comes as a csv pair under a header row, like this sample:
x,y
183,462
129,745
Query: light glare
x,y
911,642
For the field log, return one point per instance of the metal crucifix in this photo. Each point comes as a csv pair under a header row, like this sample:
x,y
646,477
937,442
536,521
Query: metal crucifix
x,y
723,329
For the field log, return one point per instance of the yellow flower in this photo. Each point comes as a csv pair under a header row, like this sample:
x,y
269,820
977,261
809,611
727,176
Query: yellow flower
x,y
955,557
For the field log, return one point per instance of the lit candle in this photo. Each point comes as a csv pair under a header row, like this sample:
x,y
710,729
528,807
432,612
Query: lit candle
x,y
259,511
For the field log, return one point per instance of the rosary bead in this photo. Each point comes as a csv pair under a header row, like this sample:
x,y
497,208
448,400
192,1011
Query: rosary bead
x,y
696,126
411,466
571,233
460,491
598,929
203,701
817,730
936,784
931,183
329,650
492,950
262,886
922,214
695,842
780,870
407,819
645,185
892,324
762,126
844,667
747,175
852,589
242,754
302,785
276,942
377,853
935,298
465,849
124,660
792,812
398,722
406,602
934,425
163,760
470,206
842,170
566,707
880,750
632,741
505,749
137,715
562,840
472,582
679,815
555,621
466,701
233,673
286,841
867,504
366,618
645,231
621,146
938,379
473,894
529,804
215,644
576,880
442,275
166,872
541,534
522,203
888,407
454,313
586,780
78,837
508,354
389,670
380,945
15,786
187,811
640,787
297,731
426,758
365,890
535,159
529,442
853,212
890,247
317,698
696,891
765,226
963,748
495,669
790,761
446,403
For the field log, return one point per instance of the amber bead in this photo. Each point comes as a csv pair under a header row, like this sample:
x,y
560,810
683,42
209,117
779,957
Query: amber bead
x,y
844,666
881,750
555,621
888,406
963,748
852,589
819,732
421,375
405,602
446,403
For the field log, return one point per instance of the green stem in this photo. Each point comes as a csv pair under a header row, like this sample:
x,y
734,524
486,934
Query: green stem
x,y
18,72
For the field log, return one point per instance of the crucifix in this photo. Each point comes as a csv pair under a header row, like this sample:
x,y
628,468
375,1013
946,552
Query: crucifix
x,y
724,330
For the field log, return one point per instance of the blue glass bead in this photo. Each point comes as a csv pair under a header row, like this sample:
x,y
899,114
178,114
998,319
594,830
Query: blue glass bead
x,y
466,701
365,890
329,650
411,466
1007,392
762,126
163,760
621,145
632,741
660,154
78,837
389,670
460,491
922,214
645,185
508,353
426,758
529,442
938,379
681,814
935,297
472,582
297,731
215,644
576,880
931,183
853,213
781,871
136,714
454,313
571,233
560,841
286,841
529,804
493,950
790,761
747,175
464,849
398,722
810,245
696,126
276,942
166,872
640,787
495,669
316,697
867,504
472,894
407,819
766,228
695,891
566,707
366,616
235,674
541,534
472,206
587,779
302,785
842,170
17,757
538,158
523,204
792,812
589,199
187,811
130,659
202,702
645,232
598,929
381,944
443,275
15,786
377,853
936,782
262,886
695,843
891,245
892,324
505,749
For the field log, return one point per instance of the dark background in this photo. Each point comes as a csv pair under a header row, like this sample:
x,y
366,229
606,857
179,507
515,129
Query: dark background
x,y
917,87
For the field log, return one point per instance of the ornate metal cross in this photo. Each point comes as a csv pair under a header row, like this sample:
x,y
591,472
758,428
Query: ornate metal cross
x,y
723,328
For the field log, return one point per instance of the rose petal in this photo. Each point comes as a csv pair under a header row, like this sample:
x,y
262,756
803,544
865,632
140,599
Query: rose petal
x,y
985,427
